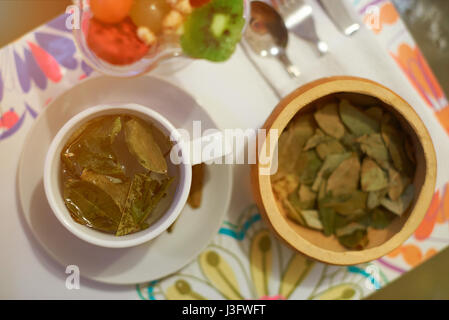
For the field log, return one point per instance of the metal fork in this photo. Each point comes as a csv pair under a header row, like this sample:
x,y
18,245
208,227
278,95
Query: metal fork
x,y
298,17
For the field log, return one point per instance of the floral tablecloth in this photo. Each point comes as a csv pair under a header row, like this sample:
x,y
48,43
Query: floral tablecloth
x,y
243,261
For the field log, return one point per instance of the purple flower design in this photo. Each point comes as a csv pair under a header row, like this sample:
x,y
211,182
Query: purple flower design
x,y
28,70
19,123
59,23
86,68
61,48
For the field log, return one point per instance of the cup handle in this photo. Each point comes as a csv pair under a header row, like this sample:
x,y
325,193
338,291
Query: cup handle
x,y
210,147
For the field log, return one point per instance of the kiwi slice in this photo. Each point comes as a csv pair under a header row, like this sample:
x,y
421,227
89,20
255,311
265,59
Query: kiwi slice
x,y
212,31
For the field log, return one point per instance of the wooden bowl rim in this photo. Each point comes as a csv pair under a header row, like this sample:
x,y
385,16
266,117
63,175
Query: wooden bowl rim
x,y
292,104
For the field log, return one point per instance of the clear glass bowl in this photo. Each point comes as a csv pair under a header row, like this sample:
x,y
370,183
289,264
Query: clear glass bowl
x,y
167,56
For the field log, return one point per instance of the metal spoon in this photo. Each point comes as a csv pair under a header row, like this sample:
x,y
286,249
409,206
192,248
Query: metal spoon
x,y
267,35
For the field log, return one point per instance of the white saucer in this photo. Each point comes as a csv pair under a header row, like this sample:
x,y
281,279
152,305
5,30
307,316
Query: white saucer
x,y
155,259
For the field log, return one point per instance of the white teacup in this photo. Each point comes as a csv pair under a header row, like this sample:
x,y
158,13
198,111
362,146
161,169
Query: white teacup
x,y
177,194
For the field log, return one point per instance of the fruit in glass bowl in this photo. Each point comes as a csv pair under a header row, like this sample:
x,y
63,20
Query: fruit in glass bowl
x,y
130,37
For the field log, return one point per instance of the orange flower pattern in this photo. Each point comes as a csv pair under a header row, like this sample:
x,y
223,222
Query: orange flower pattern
x,y
379,13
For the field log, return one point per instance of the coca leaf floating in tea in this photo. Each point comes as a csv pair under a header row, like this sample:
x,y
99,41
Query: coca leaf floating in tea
x,y
92,148
117,188
350,167
142,145
98,190
127,224
91,206
143,196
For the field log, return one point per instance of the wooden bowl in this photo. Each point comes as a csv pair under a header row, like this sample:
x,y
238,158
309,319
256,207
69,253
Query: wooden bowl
x,y
313,243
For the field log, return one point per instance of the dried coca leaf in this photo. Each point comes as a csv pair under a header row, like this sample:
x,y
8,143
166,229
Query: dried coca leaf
x,y
357,240
375,198
349,229
327,217
329,121
354,204
330,188
322,191
196,190
349,141
92,148
373,178
345,178
375,113
292,141
358,122
316,139
311,218
293,207
91,206
397,184
341,221
330,164
381,218
293,214
307,197
394,139
327,148
373,146
400,205
115,187
307,166
142,145
285,185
